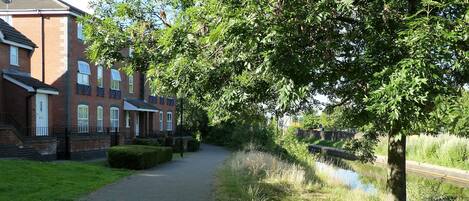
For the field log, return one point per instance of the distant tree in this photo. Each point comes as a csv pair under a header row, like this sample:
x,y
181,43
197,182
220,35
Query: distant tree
x,y
388,63
311,120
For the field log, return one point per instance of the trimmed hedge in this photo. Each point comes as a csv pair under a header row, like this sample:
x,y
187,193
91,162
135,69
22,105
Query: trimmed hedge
x,y
138,157
165,154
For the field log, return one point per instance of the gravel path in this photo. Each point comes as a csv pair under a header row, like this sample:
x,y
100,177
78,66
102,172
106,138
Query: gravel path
x,y
187,179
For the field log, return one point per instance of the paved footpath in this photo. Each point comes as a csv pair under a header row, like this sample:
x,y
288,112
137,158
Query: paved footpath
x,y
188,179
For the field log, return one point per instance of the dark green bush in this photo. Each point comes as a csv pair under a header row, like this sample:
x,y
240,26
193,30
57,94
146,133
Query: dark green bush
x,y
193,145
143,141
134,157
138,157
165,154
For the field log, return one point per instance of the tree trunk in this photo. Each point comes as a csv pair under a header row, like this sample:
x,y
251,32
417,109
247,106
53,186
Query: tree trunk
x,y
397,169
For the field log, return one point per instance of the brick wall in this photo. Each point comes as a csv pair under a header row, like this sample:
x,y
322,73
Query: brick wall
x,y
19,104
24,66
46,146
89,146
63,50
8,137
55,57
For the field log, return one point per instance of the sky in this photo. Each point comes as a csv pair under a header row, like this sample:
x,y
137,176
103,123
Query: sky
x,y
81,4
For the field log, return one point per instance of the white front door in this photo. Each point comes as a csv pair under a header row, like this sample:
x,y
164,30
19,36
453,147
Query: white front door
x,y
137,125
42,122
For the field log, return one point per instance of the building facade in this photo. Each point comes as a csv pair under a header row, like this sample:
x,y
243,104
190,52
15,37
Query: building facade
x,y
92,99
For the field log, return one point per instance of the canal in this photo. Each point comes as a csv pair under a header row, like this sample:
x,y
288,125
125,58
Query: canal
x,y
372,179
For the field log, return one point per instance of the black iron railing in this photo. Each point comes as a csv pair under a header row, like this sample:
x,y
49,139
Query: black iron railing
x,y
153,99
115,94
83,90
99,91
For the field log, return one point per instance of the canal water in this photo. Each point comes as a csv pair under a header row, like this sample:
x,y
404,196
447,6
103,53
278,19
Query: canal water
x,y
372,179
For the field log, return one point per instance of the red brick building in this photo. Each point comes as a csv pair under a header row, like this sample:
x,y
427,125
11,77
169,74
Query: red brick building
x,y
92,99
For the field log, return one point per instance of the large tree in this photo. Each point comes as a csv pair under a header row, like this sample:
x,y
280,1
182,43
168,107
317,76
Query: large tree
x,y
387,63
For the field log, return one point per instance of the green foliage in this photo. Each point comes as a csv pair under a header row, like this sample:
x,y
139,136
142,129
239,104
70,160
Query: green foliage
x,y
445,150
255,175
165,154
311,120
195,118
138,157
454,113
388,63
266,137
419,188
235,58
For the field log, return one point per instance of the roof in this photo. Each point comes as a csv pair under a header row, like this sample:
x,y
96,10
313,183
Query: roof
x,y
139,105
44,5
9,33
29,83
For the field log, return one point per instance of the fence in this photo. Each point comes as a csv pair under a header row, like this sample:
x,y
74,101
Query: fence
x,y
325,135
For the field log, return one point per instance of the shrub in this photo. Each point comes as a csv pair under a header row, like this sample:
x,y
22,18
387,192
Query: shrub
x,y
193,145
135,157
165,154
150,142
138,157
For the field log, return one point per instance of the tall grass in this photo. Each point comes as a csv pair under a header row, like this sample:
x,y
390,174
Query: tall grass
x,y
253,175
445,150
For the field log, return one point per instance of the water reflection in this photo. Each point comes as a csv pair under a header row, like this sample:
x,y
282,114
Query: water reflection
x,y
347,177
372,179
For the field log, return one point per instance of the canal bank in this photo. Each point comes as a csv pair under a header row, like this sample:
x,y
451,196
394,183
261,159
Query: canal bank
x,y
451,175
372,180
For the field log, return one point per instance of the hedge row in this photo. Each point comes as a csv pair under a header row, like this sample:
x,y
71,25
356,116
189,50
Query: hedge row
x,y
138,157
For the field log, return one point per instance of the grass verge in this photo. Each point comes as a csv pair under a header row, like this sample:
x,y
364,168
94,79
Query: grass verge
x,y
32,180
260,176
445,150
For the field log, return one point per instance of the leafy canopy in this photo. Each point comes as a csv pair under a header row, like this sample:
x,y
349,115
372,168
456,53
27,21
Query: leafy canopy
x,y
388,63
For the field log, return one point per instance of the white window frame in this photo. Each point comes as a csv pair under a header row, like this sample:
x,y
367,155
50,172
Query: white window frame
x,y
131,84
127,119
8,19
14,52
161,120
83,118
115,85
80,34
100,119
114,120
99,77
115,79
83,74
169,121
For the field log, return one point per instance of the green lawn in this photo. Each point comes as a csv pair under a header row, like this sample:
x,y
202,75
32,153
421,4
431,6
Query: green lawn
x,y
32,180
